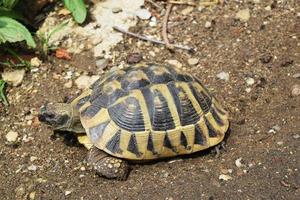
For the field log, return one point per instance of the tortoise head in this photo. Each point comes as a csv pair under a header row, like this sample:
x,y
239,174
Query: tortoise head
x,y
57,115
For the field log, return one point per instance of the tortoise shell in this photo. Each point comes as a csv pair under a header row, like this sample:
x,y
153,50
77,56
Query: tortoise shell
x,y
149,111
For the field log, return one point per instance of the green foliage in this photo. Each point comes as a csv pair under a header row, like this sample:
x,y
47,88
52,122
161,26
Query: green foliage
x,y
2,92
77,8
13,31
45,37
21,64
8,4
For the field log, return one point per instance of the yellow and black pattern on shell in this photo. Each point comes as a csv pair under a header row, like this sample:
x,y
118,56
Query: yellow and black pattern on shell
x,y
148,111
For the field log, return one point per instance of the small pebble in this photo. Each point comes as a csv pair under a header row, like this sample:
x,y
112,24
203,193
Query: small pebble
x,y
187,10
176,63
280,143
35,62
296,136
33,158
297,75
143,14
243,15
193,61
225,177
85,81
82,168
32,168
250,81
32,195
223,76
14,78
268,8
153,21
207,24
295,90
102,63
12,136
276,128
67,192
248,90
68,84
238,163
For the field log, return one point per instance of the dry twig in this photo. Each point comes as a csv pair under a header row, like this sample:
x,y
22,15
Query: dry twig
x,y
155,4
150,39
183,3
165,26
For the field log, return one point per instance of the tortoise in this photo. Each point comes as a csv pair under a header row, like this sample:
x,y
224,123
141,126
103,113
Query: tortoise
x,y
140,113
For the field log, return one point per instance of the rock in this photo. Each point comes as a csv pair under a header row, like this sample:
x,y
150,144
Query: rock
x,y
85,81
68,84
238,163
223,76
250,81
268,8
102,63
32,168
207,24
297,75
14,78
68,75
67,192
296,136
248,90
33,158
280,143
134,58
176,63
296,90
35,62
143,14
276,128
153,22
187,10
225,177
12,136
193,61
32,195
243,15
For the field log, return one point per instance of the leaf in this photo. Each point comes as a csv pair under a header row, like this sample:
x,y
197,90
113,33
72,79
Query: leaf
x,y
77,8
57,28
13,14
9,4
2,92
13,31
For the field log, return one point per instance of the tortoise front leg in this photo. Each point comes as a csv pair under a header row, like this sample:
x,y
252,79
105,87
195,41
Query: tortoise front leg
x,y
106,165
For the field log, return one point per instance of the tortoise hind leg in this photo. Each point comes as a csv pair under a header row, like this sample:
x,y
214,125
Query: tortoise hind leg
x,y
106,165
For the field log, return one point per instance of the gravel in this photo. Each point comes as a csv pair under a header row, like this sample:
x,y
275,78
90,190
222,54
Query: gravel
x,y
12,136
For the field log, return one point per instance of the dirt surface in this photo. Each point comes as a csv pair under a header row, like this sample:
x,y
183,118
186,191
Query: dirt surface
x,y
265,117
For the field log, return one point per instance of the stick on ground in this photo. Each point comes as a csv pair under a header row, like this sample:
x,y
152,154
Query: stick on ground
x,y
165,27
145,38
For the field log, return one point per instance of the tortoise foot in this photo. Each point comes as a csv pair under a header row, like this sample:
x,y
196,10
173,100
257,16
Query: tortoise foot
x,y
106,165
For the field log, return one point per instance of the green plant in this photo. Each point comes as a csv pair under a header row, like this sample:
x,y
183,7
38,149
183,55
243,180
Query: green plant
x,y
77,8
22,63
10,29
45,37
2,92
